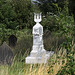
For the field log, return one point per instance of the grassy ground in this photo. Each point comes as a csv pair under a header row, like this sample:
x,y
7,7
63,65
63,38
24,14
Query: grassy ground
x,y
18,67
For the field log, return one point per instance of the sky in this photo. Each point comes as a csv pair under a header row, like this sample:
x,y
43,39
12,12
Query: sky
x,y
33,0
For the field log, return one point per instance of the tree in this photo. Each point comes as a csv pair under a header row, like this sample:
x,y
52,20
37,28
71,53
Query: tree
x,y
7,20
23,9
72,8
7,15
49,5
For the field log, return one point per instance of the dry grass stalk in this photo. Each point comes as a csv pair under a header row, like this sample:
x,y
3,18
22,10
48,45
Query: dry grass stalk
x,y
58,64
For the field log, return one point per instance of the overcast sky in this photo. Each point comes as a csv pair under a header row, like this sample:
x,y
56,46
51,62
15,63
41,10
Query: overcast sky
x,y
36,0
33,0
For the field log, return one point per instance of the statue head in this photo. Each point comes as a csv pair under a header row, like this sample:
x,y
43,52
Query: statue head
x,y
37,17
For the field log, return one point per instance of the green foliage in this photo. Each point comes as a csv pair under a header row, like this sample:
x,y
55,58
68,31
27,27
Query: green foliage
x,y
4,33
23,9
66,29
69,68
49,22
24,42
65,21
72,8
47,6
7,15
61,23
14,15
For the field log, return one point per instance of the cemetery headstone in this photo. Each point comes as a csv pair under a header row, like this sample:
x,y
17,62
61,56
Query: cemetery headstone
x,y
38,53
12,41
6,54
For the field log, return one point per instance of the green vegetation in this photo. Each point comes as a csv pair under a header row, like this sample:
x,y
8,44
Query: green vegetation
x,y
57,65
16,17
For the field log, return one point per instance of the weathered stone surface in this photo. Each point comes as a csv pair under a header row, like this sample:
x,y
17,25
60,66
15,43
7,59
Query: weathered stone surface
x,y
6,54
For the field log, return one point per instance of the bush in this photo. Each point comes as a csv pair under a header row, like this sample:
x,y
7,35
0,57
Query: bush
x,y
24,43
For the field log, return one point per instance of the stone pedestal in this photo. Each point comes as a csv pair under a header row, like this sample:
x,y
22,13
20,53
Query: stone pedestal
x,y
38,53
38,58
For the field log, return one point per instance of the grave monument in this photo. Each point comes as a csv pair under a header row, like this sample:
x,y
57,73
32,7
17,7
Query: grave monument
x,y
38,53
12,41
6,54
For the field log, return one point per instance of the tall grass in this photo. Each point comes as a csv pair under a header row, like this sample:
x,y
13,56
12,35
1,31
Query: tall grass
x,y
55,63
52,67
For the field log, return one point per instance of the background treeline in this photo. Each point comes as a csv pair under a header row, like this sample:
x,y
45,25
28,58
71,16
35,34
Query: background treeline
x,y
15,14
18,14
16,17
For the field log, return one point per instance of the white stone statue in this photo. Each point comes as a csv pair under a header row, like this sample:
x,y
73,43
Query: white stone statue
x,y
37,34
38,53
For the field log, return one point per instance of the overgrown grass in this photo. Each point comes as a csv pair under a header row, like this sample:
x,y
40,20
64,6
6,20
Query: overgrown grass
x,y
54,65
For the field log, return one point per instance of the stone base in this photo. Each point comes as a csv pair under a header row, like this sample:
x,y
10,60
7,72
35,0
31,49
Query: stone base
x,y
39,59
